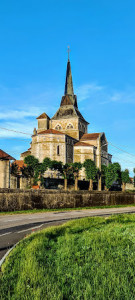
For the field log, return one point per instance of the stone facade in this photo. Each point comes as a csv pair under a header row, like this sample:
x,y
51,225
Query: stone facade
x,y
53,144
5,169
64,137
4,173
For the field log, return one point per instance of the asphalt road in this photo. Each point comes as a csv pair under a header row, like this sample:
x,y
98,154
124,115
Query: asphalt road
x,y
15,227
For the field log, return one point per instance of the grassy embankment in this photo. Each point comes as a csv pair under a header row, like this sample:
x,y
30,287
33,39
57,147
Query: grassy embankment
x,y
31,211
91,258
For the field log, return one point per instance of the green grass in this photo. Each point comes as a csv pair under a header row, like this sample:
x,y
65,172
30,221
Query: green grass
x,y
32,211
91,258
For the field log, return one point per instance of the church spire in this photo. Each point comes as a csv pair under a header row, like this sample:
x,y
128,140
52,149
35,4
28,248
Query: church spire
x,y
69,84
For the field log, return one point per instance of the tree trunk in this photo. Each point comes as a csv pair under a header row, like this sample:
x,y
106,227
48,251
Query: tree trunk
x,y
91,185
76,184
123,186
100,183
65,184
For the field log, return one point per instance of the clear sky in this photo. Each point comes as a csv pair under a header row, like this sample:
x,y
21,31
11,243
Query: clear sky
x,y
34,36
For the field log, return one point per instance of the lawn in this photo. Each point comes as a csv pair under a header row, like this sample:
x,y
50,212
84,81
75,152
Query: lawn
x,y
32,211
90,258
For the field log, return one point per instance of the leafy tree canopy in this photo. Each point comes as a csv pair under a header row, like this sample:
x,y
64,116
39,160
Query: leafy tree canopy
x,y
125,176
32,161
117,172
109,176
56,165
90,169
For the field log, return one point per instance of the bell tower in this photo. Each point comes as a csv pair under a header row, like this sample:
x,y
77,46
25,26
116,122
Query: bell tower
x,y
68,118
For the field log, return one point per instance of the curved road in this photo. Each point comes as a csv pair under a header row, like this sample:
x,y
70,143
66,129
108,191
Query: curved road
x,y
14,227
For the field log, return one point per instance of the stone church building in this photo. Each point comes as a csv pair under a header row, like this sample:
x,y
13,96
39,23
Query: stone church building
x,y
65,137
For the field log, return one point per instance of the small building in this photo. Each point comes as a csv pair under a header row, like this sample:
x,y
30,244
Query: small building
x,y
5,159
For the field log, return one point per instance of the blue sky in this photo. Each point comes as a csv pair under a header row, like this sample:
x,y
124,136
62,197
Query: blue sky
x,y
34,36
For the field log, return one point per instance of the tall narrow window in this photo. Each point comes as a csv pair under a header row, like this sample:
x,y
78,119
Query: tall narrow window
x,y
58,150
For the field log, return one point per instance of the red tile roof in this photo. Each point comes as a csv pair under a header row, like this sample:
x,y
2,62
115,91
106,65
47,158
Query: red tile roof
x,y
26,151
90,136
82,144
20,164
53,131
43,116
5,156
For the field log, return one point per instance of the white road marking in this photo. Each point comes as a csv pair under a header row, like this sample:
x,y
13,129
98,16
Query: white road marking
x,y
32,228
5,233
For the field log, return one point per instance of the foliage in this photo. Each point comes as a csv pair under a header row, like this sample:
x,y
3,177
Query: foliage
x,y
33,168
134,176
56,165
46,163
117,172
112,173
90,169
76,167
125,176
103,173
91,258
31,161
14,169
109,176
67,171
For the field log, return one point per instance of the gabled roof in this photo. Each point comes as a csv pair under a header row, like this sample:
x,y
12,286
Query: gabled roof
x,y
5,156
90,136
83,144
52,131
43,116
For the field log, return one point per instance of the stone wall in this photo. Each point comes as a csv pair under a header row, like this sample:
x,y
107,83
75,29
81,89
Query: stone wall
x,y
130,186
17,199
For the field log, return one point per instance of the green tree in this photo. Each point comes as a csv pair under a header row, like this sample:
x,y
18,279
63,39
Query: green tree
x,y
117,172
76,167
112,173
125,178
14,169
90,171
56,165
109,176
46,163
33,167
66,172
134,176
103,174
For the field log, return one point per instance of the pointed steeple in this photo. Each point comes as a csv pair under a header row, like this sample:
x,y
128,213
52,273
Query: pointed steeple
x,y
69,84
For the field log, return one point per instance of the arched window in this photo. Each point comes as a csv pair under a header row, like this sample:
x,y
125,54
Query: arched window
x,y
58,150
58,127
69,126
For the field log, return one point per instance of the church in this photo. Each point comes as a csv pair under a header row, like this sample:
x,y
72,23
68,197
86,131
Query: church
x,y
65,137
